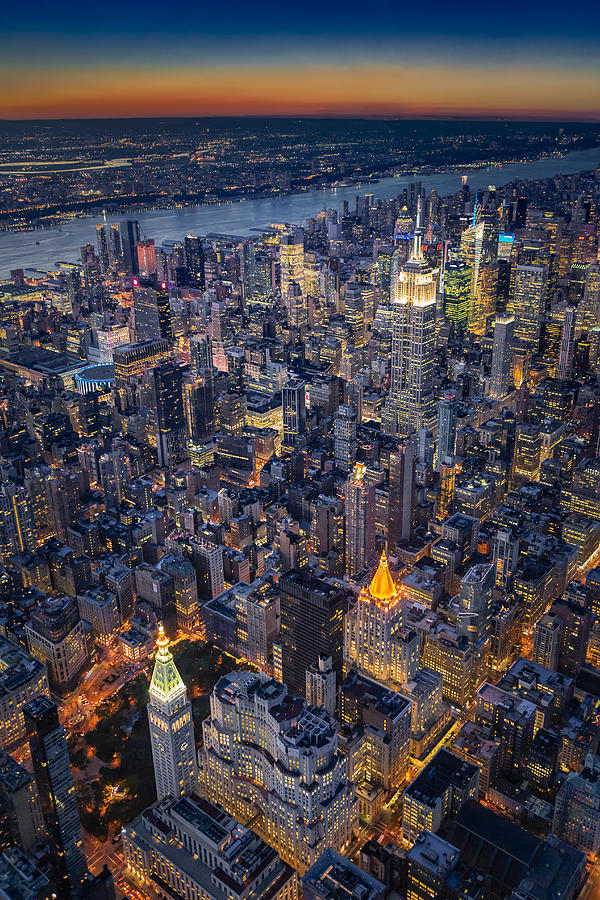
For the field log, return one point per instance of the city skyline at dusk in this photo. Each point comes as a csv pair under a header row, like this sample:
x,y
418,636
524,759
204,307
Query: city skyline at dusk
x,y
300,451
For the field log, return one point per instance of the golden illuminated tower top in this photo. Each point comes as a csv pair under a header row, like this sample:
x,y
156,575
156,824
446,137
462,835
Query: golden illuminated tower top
x,y
371,624
382,586
383,591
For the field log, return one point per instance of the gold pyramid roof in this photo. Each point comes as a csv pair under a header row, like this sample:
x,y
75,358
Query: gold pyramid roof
x,y
382,586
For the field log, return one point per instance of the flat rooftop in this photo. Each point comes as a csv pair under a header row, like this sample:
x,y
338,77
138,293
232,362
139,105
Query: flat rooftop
x,y
444,770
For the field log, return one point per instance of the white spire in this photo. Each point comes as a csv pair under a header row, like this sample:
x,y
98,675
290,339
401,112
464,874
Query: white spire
x,y
417,251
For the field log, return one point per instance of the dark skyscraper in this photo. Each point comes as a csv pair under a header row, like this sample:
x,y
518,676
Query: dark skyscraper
x,y
152,310
312,623
521,213
130,238
401,492
447,413
102,248
199,406
200,353
52,769
168,396
194,261
294,411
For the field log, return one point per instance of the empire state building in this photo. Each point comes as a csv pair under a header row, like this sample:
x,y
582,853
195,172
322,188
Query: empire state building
x,y
411,401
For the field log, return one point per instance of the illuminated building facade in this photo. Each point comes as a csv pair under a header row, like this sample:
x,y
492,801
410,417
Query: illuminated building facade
x,y
312,624
113,472
383,719
167,384
438,791
446,421
133,360
17,523
55,636
171,727
198,406
472,251
430,864
291,260
588,312
108,338
577,808
321,685
370,625
22,678
547,641
529,299
185,591
193,849
269,759
527,454
401,493
505,555
345,438
509,719
146,258
194,261
257,611
450,654
359,307
327,534
360,521
447,482
21,821
411,402
457,293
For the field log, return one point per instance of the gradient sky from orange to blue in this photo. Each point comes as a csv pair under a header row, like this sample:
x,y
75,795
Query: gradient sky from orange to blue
x,y
531,59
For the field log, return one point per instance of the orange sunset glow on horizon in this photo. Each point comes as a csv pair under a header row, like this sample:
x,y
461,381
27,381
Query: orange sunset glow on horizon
x,y
364,89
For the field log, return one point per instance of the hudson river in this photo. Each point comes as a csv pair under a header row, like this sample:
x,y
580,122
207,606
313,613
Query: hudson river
x,y
20,250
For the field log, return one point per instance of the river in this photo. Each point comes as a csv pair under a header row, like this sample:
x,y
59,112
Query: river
x,y
42,249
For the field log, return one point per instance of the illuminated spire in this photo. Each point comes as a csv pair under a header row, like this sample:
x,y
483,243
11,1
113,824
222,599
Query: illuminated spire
x,y
166,681
162,642
417,251
382,586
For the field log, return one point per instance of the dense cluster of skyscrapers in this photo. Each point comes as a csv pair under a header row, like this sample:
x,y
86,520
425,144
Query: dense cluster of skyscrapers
x,y
361,457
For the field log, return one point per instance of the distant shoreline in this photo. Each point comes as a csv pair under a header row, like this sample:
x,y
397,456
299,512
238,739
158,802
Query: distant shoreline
x,y
34,220
62,239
